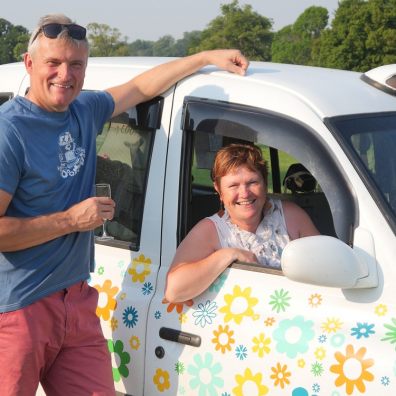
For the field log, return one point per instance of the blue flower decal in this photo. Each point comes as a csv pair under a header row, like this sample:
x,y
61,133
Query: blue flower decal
x,y
241,352
293,336
205,313
218,283
157,315
362,330
205,375
130,317
147,288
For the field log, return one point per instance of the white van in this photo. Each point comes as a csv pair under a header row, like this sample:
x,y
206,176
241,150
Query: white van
x,y
323,325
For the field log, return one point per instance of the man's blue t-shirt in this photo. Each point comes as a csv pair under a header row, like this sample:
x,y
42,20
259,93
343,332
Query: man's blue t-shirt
x,y
48,164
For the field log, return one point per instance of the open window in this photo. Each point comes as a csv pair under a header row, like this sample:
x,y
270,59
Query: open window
x,y
209,125
124,149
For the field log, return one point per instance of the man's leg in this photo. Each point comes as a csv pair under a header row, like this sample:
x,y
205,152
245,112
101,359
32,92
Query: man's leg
x,y
83,366
28,342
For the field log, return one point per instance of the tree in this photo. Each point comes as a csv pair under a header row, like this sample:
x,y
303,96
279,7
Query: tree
x,y
238,27
13,41
295,43
105,41
362,36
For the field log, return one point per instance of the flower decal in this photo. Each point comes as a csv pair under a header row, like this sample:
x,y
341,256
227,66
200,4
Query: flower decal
x,y
223,338
293,336
238,305
134,342
362,330
315,300
280,375
205,313
332,325
161,380
106,300
250,381
147,288
280,300
123,357
352,369
381,310
179,368
130,317
177,306
205,375
241,352
218,283
140,268
391,334
261,344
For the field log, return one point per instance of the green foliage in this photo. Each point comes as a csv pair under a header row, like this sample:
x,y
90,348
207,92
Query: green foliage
x,y
362,36
238,27
106,41
13,41
294,43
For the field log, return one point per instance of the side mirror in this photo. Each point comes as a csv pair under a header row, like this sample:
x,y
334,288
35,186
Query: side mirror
x,y
326,261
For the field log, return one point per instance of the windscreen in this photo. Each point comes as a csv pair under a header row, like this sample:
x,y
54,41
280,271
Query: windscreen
x,y
371,139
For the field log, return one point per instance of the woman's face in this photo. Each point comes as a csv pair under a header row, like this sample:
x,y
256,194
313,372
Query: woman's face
x,y
243,193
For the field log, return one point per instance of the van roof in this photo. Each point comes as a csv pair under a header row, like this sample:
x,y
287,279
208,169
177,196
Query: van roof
x,y
329,92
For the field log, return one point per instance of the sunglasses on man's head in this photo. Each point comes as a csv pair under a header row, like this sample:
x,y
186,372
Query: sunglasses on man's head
x,y
52,30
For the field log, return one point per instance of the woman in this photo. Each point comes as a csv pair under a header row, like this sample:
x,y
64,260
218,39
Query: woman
x,y
252,227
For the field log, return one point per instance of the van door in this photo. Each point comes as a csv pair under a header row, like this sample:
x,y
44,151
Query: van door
x,y
131,157
254,331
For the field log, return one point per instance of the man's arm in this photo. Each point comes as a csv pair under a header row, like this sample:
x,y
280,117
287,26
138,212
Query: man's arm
x,y
21,233
158,79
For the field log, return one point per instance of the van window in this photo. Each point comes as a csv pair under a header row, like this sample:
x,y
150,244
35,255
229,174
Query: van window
x,y
124,150
289,147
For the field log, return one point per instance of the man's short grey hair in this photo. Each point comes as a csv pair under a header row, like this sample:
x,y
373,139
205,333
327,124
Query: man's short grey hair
x,y
54,18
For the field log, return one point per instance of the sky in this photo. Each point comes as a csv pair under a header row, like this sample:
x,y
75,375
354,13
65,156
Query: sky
x,y
152,19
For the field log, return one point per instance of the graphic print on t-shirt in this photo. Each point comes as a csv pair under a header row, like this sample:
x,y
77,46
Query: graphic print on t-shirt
x,y
71,156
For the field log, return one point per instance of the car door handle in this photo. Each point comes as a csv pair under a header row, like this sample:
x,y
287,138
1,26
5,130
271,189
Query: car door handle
x,y
180,336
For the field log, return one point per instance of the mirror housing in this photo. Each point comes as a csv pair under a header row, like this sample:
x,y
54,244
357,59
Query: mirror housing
x,y
326,261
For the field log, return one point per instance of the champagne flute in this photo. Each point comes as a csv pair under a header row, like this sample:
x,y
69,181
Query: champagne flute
x,y
103,190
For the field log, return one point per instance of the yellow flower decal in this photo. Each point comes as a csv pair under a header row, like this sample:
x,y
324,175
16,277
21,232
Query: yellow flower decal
x,y
280,375
134,342
114,324
161,380
183,318
320,353
381,310
352,369
140,268
106,301
315,300
332,325
248,377
223,338
269,321
239,304
261,344
301,363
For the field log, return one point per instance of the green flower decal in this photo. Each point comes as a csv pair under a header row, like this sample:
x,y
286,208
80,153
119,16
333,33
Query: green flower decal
x,y
179,368
391,334
280,300
124,358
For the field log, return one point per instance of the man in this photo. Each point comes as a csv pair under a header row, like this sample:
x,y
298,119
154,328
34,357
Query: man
x,y
49,332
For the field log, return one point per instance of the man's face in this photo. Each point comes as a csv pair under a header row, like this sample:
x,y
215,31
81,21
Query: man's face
x,y
57,70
